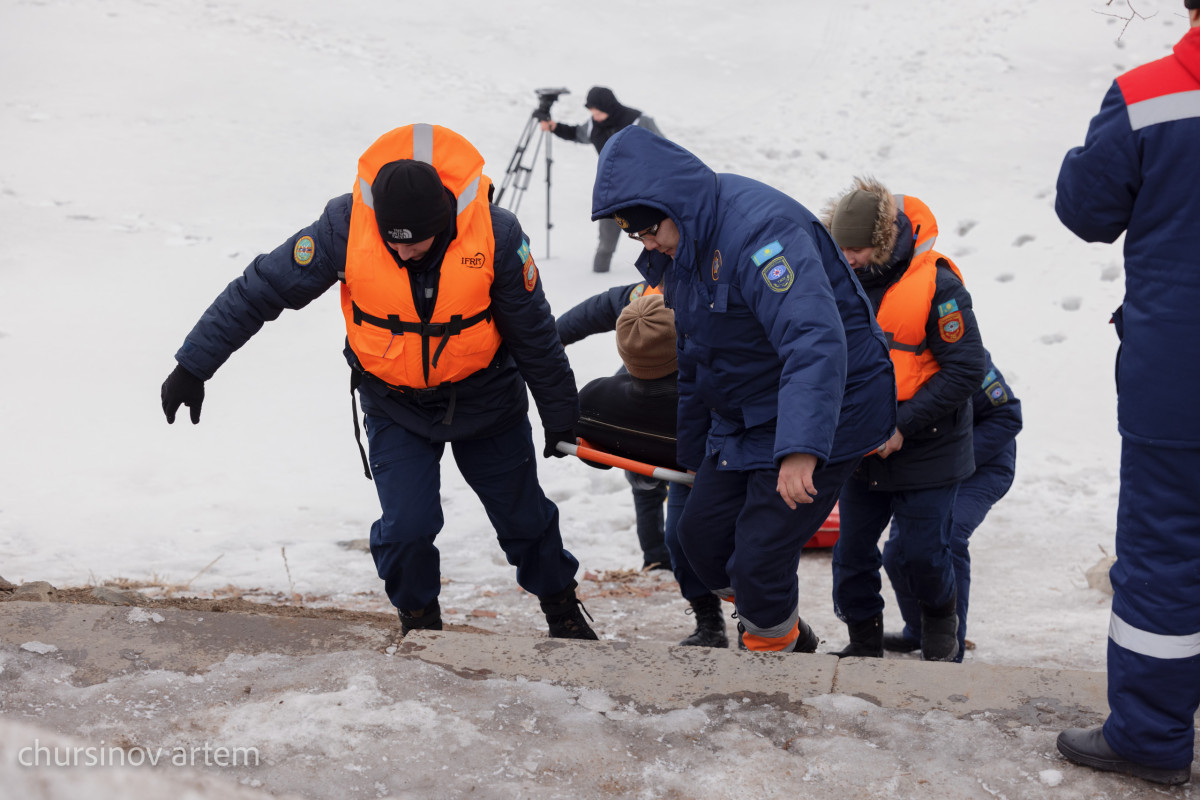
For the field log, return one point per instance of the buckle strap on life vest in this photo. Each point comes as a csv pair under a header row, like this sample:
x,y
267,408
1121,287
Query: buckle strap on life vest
x,y
916,349
426,330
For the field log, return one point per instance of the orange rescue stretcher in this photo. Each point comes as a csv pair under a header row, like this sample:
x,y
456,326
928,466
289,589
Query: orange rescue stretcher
x,y
826,535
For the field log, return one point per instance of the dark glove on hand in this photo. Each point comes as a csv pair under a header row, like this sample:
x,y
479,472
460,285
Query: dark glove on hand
x,y
182,388
552,440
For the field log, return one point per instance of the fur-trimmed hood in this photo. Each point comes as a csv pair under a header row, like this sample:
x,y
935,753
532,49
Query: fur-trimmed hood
x,y
883,237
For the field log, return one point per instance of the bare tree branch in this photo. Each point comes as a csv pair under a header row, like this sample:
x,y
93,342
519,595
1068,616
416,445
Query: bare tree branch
x,y
1133,14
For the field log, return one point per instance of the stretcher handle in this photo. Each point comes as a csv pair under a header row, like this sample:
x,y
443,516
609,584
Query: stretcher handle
x,y
600,457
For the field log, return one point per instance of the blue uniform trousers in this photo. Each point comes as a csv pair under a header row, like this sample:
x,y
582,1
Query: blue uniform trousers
x,y
976,496
690,585
920,521
1154,633
500,469
739,535
649,498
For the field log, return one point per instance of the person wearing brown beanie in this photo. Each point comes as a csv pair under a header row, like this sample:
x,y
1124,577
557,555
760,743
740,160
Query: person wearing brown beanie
x,y
632,414
432,276
1138,174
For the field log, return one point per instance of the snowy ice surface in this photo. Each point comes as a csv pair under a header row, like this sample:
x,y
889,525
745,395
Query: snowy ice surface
x,y
152,149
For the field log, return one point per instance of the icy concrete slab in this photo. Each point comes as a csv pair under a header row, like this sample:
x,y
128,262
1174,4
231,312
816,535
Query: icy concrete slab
x,y
103,641
961,689
650,676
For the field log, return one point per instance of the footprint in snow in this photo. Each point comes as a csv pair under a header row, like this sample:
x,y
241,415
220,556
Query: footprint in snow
x,y
1053,338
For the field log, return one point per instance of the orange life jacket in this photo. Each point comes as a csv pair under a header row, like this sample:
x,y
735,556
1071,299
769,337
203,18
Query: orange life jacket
x,y
904,311
383,326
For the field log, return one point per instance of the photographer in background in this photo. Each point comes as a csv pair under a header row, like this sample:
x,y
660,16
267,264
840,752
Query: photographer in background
x,y
608,117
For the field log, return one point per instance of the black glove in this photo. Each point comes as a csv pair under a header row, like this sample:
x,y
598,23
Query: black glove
x,y
552,440
182,388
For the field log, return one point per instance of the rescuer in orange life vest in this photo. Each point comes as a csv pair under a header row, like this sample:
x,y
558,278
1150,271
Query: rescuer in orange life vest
x,y
446,325
911,482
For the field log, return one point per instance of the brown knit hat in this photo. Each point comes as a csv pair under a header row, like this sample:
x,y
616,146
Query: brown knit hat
x,y
646,338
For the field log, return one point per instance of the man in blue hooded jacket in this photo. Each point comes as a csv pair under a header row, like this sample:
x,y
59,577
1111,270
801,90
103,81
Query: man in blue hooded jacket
x,y
784,376
1137,173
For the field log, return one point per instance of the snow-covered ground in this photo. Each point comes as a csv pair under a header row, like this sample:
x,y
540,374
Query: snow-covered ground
x,y
152,149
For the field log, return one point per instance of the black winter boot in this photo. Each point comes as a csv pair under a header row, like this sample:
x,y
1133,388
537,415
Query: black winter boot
x,y
866,639
564,615
710,624
1087,746
939,631
899,643
428,618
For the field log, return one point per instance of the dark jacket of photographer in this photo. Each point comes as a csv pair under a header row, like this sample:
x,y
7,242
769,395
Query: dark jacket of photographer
x,y
598,133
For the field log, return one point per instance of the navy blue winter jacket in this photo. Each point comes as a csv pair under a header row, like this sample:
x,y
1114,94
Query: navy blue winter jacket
x,y
485,403
779,352
1138,173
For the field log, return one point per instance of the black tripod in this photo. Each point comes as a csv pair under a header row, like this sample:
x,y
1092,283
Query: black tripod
x,y
520,169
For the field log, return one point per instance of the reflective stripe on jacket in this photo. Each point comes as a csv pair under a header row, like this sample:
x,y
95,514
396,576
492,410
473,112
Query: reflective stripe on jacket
x,y
904,311
383,327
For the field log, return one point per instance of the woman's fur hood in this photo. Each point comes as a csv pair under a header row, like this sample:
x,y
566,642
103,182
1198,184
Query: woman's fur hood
x,y
883,238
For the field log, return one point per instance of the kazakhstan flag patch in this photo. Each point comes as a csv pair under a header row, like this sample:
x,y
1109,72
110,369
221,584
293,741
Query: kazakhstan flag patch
x,y
767,253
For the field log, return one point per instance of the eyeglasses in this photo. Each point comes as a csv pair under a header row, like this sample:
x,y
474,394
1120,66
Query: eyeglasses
x,y
640,236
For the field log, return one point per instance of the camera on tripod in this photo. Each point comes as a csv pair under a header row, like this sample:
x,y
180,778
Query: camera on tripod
x,y
520,166
546,98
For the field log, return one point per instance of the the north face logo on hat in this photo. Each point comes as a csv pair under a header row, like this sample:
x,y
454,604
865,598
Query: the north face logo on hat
x,y
400,234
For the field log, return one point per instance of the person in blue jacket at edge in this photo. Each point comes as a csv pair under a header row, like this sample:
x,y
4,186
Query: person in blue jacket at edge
x,y
997,421
447,325
632,414
1138,173
784,376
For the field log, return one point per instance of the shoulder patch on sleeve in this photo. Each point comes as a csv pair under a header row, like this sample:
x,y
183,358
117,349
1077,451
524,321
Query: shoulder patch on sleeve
x,y
778,274
951,327
304,250
636,292
996,393
947,308
528,268
767,253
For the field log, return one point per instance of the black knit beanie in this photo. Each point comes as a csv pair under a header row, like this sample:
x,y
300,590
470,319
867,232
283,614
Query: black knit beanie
x,y
411,204
633,219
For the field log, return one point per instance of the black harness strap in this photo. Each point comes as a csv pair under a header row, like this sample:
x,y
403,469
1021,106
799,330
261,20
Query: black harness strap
x,y
916,349
355,382
426,330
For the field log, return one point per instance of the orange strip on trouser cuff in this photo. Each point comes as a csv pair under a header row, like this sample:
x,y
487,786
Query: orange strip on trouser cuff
x,y
771,644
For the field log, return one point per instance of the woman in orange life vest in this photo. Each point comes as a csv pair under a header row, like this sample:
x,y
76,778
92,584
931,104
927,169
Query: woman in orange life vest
x,y
911,482
446,324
